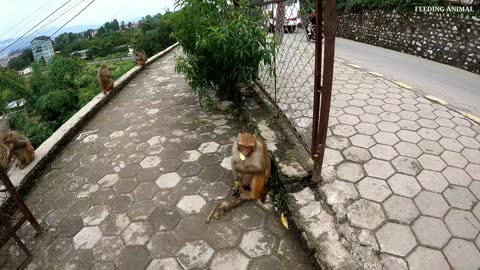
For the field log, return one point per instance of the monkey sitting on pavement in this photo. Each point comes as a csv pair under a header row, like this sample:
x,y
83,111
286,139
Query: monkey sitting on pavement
x,y
105,79
141,58
251,165
20,147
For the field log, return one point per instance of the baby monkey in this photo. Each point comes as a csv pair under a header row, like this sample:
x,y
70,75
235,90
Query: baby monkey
x,y
141,58
105,79
20,147
252,169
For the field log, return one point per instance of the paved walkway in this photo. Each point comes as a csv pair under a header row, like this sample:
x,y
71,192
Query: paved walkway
x,y
134,189
402,174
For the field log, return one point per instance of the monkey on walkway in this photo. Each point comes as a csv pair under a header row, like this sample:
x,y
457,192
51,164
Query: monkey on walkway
x,y
105,79
141,58
252,168
20,147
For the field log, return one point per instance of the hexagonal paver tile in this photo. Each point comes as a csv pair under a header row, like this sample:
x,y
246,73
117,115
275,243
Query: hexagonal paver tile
x,y
195,254
145,191
108,249
357,154
454,159
451,144
150,162
80,259
432,204
393,262
215,191
249,218
400,209
190,156
431,162
343,130
364,141
137,233
365,214
374,189
476,210
475,188
164,219
408,149
188,169
156,140
429,134
223,235
473,170
432,181
462,254
332,157
378,168
163,244
95,215
87,238
258,243
472,155
459,197
431,232
350,171
108,180
385,152
59,250
133,257
462,224
115,224
457,176
168,180
404,185
191,204
430,147
208,147
386,138
408,136
70,226
396,239
337,142
406,165
229,259
164,264
388,126
426,258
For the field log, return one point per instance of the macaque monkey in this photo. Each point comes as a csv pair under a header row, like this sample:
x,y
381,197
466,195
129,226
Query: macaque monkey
x,y
105,79
251,168
141,58
19,146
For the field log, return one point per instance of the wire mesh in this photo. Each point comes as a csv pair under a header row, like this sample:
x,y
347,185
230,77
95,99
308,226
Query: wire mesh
x,y
292,24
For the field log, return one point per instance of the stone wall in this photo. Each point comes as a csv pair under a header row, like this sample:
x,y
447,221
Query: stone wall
x,y
445,37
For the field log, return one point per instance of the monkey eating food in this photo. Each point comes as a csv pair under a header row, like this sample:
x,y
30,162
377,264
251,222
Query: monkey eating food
x,y
20,147
252,168
105,79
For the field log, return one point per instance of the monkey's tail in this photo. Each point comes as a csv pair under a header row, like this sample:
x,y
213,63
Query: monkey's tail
x,y
210,215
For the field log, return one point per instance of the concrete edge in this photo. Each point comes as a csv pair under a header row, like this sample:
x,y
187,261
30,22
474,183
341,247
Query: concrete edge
x,y
472,118
308,213
68,130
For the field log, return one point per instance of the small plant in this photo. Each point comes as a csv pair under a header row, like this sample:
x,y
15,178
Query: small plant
x,y
222,46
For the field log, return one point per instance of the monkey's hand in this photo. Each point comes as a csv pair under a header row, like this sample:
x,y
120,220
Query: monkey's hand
x,y
247,168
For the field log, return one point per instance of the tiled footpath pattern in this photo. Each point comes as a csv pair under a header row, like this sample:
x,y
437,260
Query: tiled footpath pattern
x,y
404,173
133,191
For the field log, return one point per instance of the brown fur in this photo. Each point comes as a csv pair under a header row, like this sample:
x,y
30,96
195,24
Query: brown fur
x,y
20,147
105,79
141,58
255,170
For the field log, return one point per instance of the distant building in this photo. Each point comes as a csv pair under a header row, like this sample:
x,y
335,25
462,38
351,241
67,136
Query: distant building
x,y
42,47
25,71
82,54
16,104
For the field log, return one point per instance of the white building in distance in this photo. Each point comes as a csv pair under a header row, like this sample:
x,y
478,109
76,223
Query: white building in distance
x,y
42,47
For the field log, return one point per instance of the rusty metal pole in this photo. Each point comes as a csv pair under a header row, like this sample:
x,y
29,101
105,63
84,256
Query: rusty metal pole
x,y
330,28
317,87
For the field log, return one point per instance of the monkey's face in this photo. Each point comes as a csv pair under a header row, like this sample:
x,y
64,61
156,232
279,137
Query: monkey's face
x,y
245,150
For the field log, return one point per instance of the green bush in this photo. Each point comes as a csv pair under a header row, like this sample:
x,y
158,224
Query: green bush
x,y
154,34
32,127
222,46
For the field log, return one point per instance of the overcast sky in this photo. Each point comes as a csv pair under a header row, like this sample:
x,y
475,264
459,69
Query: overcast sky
x,y
100,11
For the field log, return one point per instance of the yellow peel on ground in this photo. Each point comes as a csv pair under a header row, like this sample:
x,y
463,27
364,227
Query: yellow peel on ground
x,y
284,220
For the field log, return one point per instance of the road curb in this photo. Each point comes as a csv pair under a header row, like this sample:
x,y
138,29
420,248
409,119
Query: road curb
x,y
472,118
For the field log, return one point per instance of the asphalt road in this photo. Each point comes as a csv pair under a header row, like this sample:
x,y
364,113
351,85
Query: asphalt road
x,y
458,87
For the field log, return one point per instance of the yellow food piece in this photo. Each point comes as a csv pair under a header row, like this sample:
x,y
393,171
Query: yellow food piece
x,y
284,220
242,157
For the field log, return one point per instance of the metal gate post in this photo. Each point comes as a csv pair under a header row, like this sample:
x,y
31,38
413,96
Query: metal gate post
x,y
326,88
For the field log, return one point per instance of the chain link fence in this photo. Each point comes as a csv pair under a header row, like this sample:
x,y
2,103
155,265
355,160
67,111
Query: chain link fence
x,y
292,23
